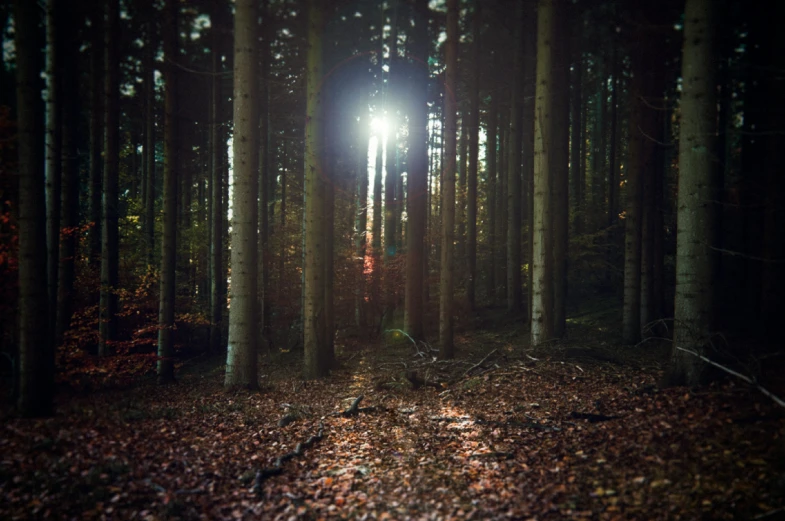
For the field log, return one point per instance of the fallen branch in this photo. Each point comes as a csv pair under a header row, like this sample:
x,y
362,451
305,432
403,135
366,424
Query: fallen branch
x,y
263,474
478,364
779,401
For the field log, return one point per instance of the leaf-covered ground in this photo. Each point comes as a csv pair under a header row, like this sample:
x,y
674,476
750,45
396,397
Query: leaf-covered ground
x,y
573,430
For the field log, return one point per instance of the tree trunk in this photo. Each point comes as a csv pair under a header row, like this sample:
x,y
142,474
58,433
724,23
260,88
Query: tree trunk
x,y
149,133
36,353
558,162
474,149
542,327
69,206
446,344
417,183
613,177
514,189
631,318
361,222
391,202
96,129
576,137
316,362
109,214
265,173
490,160
501,210
241,363
171,164
217,145
693,302
54,108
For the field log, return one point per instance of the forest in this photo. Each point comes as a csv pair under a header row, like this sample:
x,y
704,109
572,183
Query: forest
x,y
392,259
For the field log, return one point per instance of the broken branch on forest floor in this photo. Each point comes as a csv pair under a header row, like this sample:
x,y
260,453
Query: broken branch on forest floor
x,y
779,401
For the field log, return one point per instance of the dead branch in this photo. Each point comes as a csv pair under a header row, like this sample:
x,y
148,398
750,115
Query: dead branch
x,y
478,364
264,473
779,401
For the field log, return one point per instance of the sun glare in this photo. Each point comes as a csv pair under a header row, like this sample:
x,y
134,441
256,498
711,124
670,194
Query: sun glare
x,y
380,127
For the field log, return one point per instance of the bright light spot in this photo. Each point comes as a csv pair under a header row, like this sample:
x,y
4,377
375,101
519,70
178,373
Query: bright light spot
x,y
380,127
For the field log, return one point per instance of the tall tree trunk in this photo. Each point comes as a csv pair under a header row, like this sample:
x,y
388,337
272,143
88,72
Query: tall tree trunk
x,y
417,183
501,210
391,202
149,133
542,328
36,353
576,135
693,301
558,162
54,108
171,167
69,206
634,172
361,222
474,150
109,211
514,189
265,173
446,344
217,145
96,128
490,160
527,137
613,177
316,362
241,363
460,195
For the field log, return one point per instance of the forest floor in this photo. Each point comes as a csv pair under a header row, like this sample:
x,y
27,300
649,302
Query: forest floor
x,y
576,429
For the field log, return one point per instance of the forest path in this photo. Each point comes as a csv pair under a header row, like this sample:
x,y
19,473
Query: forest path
x,y
549,433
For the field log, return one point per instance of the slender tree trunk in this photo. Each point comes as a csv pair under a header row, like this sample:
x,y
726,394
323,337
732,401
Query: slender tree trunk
x,y
542,328
54,108
217,144
446,344
514,189
241,363
149,133
36,353
316,362
171,167
490,160
527,145
558,162
96,129
361,222
460,192
474,150
69,206
501,210
613,177
391,202
631,319
265,173
417,184
109,214
576,137
693,302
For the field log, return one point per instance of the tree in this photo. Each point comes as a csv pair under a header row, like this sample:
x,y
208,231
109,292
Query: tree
x,y
110,256
316,362
474,134
171,164
693,302
542,326
96,127
391,202
69,186
418,172
54,110
36,353
149,130
514,151
241,364
446,345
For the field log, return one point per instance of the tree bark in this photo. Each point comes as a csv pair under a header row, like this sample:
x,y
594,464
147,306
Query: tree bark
x,y
491,150
474,149
149,132
241,363
171,164
446,343
96,129
109,211
316,362
54,108
391,202
217,145
693,302
417,183
36,353
265,173
514,189
542,327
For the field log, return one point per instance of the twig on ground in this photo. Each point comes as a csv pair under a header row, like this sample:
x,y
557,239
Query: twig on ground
x,y
779,401
478,364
